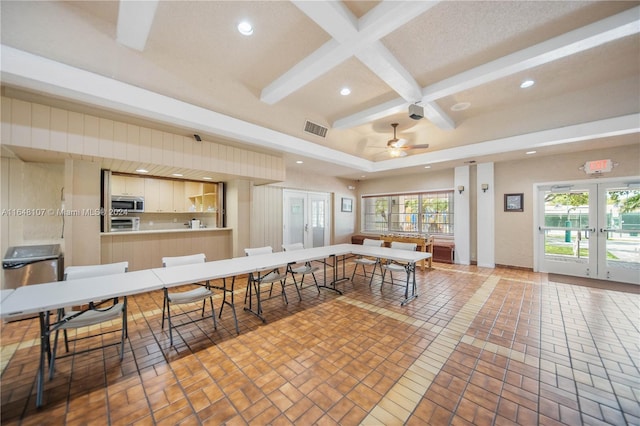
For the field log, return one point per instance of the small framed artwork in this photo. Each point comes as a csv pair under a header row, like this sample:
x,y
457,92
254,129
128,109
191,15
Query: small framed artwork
x,y
347,205
513,202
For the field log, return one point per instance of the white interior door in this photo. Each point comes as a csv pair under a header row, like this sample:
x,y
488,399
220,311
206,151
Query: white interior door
x,y
590,230
306,218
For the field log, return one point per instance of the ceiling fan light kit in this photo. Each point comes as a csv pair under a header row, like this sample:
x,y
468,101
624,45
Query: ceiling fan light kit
x,y
397,147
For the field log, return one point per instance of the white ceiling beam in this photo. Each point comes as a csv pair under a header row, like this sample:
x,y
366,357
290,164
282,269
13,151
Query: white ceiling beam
x,y
437,116
327,57
351,38
576,41
584,38
135,19
383,64
610,127
32,72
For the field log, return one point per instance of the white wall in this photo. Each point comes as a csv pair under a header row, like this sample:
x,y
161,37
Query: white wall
x,y
30,203
266,223
513,231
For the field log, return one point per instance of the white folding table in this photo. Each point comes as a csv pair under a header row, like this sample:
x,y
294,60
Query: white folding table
x,y
42,298
406,257
217,269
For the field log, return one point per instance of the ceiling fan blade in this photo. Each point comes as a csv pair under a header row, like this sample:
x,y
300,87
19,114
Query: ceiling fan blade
x,y
419,146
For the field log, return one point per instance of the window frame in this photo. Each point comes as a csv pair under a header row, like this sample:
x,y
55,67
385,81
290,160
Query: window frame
x,y
403,218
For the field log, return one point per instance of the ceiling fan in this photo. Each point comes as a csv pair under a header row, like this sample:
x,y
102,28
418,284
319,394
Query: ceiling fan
x,y
398,147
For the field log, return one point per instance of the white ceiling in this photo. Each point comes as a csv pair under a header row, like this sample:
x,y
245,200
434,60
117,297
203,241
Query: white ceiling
x,y
184,66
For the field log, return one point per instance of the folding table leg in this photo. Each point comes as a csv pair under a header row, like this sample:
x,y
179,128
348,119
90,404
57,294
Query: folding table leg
x,y
45,349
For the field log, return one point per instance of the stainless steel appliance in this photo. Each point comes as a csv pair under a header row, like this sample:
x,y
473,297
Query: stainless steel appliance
x,y
25,265
125,223
127,203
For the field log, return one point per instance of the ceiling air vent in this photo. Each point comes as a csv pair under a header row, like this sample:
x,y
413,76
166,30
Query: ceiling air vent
x,y
315,129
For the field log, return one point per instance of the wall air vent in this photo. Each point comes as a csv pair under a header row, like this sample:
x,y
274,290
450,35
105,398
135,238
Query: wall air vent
x,y
315,129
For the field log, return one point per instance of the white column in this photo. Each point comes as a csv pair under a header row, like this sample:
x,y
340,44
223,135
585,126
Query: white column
x,y
485,216
462,221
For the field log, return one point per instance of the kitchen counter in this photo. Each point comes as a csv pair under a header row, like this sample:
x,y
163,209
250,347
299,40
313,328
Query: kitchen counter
x,y
163,231
145,249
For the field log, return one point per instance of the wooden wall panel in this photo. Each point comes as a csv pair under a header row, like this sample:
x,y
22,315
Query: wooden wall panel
x,y
21,124
75,140
133,143
144,251
91,140
5,116
105,138
39,126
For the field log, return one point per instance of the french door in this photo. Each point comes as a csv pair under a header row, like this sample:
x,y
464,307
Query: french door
x,y
590,230
306,218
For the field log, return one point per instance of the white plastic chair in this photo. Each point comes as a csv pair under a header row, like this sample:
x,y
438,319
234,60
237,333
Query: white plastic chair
x,y
300,269
366,261
393,266
264,277
95,314
198,294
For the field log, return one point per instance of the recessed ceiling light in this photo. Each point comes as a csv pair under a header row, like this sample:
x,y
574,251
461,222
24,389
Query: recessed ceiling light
x,y
177,174
460,106
245,28
530,152
142,171
207,178
527,83
345,91
299,162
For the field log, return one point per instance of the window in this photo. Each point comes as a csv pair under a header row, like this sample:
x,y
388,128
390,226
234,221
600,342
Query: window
x,y
419,213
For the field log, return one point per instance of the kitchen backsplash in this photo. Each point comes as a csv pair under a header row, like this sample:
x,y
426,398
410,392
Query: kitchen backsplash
x,y
158,221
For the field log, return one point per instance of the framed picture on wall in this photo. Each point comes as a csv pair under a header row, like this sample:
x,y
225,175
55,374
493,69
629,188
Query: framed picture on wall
x,y
513,202
347,205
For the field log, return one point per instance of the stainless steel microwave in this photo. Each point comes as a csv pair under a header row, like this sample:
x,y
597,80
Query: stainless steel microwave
x,y
127,203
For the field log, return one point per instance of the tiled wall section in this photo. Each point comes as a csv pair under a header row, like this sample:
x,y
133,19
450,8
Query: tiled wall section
x,y
31,125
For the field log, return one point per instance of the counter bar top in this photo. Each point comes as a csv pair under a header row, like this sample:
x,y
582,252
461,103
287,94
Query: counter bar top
x,y
163,231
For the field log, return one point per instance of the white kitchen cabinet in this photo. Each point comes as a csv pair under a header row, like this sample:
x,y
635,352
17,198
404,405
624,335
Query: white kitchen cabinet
x,y
151,195
180,201
165,196
158,195
127,185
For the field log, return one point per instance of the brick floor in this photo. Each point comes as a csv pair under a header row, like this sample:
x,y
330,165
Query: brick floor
x,y
478,346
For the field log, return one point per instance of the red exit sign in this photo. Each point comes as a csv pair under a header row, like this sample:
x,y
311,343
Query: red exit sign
x,y
598,166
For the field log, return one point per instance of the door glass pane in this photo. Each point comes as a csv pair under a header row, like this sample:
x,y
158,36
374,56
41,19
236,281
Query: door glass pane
x,y
295,219
623,228
566,222
317,222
